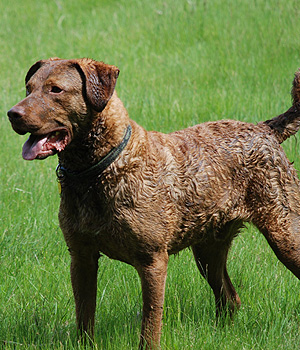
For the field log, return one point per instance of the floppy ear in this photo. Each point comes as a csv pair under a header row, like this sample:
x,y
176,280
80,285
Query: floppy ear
x,y
34,68
100,80
296,88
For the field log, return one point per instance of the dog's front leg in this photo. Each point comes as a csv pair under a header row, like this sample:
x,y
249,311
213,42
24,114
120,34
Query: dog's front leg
x,y
153,278
84,267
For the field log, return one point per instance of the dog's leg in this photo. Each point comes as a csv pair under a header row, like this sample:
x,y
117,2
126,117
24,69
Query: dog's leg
x,y
84,268
283,235
211,261
153,278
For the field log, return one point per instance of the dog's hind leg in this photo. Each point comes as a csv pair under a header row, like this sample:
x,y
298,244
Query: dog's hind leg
x,y
211,257
281,227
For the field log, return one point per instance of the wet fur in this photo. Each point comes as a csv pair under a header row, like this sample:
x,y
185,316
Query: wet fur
x,y
165,192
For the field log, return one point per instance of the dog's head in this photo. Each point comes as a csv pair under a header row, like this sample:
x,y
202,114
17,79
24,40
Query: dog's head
x,y
61,97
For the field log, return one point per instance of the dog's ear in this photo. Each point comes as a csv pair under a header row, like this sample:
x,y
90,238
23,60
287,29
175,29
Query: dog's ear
x,y
100,80
296,88
34,68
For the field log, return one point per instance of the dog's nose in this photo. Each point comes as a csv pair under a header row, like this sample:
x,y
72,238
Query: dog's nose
x,y
15,113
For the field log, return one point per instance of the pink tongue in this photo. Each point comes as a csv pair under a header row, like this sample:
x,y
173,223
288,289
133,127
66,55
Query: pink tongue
x,y
33,146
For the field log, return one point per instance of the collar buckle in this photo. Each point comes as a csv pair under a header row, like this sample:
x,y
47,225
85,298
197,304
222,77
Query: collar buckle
x,y
60,172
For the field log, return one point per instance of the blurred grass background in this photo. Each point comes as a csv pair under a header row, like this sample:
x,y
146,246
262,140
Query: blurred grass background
x,y
182,62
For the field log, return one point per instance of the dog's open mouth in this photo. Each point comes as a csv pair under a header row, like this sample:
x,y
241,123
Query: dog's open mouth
x,y
43,146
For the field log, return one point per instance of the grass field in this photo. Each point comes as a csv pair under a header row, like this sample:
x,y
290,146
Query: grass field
x,y
182,62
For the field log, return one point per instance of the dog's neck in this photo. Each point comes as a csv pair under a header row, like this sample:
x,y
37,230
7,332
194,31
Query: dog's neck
x,y
105,132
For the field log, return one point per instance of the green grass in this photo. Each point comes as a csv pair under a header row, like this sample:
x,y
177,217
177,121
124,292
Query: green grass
x,y
182,62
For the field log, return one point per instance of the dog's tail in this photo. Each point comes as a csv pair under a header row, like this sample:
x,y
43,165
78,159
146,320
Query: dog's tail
x,y
288,123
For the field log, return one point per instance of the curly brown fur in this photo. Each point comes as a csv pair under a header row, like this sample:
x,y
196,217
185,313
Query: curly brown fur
x,y
165,192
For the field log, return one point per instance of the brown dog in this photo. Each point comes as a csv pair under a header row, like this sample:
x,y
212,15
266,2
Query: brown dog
x,y
140,196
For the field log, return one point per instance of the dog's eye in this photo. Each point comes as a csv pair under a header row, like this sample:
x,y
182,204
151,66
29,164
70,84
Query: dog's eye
x,y
55,89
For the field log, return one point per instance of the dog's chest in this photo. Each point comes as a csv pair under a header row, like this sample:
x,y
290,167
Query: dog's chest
x,y
83,212
90,220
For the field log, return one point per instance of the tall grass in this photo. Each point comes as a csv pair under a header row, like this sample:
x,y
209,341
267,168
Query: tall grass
x,y
182,62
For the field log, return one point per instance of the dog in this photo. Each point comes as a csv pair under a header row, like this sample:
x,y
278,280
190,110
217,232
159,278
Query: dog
x,y
139,196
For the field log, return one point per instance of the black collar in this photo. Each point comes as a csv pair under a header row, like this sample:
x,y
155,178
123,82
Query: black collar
x,y
97,169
